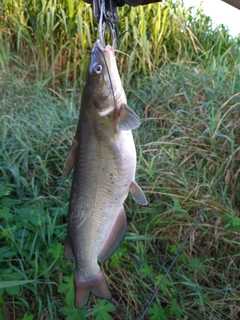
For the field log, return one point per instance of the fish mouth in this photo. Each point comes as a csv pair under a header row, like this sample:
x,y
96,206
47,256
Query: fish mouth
x,y
99,46
101,55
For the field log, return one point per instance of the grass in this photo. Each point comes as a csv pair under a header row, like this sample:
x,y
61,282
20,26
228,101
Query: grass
x,y
49,39
189,135
189,102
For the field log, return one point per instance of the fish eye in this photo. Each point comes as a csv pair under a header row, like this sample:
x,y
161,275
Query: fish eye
x,y
98,69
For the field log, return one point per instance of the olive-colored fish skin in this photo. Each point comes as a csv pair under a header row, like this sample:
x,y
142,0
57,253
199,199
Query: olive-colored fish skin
x,y
104,159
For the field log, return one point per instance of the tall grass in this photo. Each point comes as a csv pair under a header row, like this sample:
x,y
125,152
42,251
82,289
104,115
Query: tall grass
x,y
185,83
189,136
49,38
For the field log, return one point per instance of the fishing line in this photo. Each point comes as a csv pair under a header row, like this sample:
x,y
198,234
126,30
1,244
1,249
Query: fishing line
x,y
101,24
105,61
182,245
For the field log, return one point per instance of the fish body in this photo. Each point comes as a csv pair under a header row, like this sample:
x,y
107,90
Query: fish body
x,y
104,158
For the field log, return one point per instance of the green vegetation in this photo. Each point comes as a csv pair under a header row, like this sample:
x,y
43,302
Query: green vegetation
x,y
184,81
48,39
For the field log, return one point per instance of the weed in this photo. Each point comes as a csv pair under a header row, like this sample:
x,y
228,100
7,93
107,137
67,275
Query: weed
x,y
189,134
50,38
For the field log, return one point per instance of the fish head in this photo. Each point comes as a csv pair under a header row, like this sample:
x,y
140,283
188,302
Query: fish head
x,y
103,84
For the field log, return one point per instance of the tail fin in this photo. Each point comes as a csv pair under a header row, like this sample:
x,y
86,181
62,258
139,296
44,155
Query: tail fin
x,y
96,286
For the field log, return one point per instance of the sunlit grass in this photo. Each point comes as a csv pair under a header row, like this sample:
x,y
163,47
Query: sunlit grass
x,y
189,137
48,40
183,81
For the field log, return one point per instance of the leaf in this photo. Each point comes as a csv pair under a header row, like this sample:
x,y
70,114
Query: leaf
x,y
174,249
73,313
74,316
67,285
8,284
28,316
70,296
55,250
235,223
147,271
4,190
81,314
164,285
1,293
175,309
5,213
13,291
103,309
64,287
196,265
66,310
10,203
157,313
5,252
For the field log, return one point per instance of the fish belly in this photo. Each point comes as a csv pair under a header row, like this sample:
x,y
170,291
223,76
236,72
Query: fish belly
x,y
103,173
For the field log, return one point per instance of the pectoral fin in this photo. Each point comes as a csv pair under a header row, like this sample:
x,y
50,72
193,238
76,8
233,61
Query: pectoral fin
x,y
138,194
115,237
128,119
70,160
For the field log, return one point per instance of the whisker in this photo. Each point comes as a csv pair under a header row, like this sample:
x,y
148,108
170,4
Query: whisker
x,y
123,53
119,37
84,50
119,62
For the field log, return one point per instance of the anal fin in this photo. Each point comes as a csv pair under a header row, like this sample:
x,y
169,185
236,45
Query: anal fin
x,y
115,236
137,194
70,160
